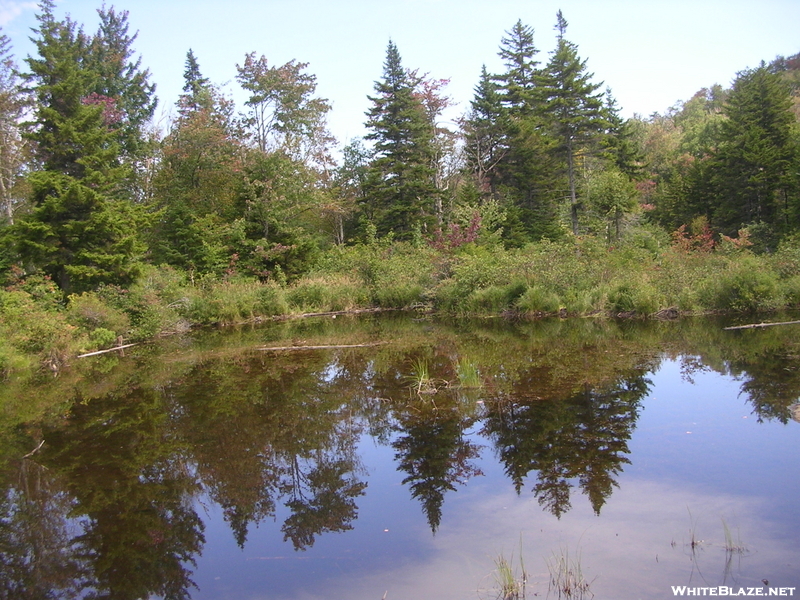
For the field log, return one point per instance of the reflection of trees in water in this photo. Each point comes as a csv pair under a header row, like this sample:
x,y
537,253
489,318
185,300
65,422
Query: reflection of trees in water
x,y
583,436
323,501
38,557
129,483
112,515
771,382
434,452
265,431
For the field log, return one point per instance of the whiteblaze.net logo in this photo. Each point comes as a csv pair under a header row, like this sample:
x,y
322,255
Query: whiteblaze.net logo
x,y
724,590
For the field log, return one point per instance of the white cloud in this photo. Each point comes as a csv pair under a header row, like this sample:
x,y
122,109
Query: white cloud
x,y
11,10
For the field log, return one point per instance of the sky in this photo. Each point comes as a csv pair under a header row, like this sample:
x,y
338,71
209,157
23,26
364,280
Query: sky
x,y
651,54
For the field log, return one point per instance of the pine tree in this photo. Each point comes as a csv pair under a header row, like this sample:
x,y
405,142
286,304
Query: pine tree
x,y
79,232
485,132
754,172
507,145
121,85
519,81
573,109
196,92
401,188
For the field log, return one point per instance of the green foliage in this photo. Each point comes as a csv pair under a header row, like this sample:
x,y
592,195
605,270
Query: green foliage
x,y
640,298
34,334
89,312
746,287
400,188
536,299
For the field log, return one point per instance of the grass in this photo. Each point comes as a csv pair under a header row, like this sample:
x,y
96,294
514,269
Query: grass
x,y
510,582
542,278
694,543
421,381
468,375
733,546
566,577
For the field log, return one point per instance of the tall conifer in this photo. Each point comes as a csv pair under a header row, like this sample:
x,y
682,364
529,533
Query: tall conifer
x,y
400,187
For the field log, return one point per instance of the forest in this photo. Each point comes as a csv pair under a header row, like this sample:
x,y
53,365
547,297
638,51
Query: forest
x,y
542,201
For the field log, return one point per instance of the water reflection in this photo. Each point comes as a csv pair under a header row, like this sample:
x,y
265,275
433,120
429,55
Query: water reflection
x,y
109,506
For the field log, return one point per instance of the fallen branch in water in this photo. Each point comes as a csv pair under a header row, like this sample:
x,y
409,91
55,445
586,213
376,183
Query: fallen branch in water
x,y
755,325
278,348
35,450
107,350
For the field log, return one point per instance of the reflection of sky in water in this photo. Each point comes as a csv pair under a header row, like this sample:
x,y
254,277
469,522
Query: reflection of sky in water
x,y
698,456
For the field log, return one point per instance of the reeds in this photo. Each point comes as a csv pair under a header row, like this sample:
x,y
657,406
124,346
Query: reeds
x,y
733,546
510,582
566,577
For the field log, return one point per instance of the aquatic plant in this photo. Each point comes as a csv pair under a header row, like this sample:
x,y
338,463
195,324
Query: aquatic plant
x,y
566,576
468,374
733,546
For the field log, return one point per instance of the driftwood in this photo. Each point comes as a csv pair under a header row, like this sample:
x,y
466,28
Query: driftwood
x,y
282,348
756,325
35,450
114,349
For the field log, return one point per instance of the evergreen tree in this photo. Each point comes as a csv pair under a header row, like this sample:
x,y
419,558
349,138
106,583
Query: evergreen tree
x,y
400,188
485,131
79,232
121,85
519,81
754,171
196,92
574,110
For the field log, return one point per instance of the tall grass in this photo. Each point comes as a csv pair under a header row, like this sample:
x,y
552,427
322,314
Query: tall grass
x,y
566,576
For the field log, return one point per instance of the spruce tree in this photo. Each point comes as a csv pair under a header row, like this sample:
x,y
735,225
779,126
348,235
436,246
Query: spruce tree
x,y
485,133
80,232
573,109
196,93
519,81
754,172
400,188
121,85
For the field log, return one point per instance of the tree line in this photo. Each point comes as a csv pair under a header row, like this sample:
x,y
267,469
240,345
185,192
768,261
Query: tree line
x,y
91,189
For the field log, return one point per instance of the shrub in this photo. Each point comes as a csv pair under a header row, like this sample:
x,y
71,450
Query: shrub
x,y
536,299
89,312
640,298
272,300
748,286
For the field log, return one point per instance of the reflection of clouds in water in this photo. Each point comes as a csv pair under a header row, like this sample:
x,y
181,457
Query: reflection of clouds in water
x,y
628,550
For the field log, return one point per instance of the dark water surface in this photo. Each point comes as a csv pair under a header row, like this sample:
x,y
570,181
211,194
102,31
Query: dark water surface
x,y
647,454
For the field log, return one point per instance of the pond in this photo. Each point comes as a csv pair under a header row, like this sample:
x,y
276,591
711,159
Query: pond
x,y
407,457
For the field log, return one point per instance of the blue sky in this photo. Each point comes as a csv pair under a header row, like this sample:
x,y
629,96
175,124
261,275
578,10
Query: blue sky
x,y
651,54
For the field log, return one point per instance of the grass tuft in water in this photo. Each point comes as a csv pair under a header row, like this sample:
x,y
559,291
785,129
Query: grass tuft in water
x,y
566,577
733,546
468,375
510,584
420,378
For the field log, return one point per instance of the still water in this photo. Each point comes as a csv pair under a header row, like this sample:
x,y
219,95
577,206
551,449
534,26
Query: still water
x,y
406,458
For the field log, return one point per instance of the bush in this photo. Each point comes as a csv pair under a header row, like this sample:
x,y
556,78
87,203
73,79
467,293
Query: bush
x,y
640,298
747,287
272,300
536,299
89,312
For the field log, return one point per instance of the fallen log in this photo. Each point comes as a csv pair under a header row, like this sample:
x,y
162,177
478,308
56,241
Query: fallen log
x,y
756,325
325,347
114,349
